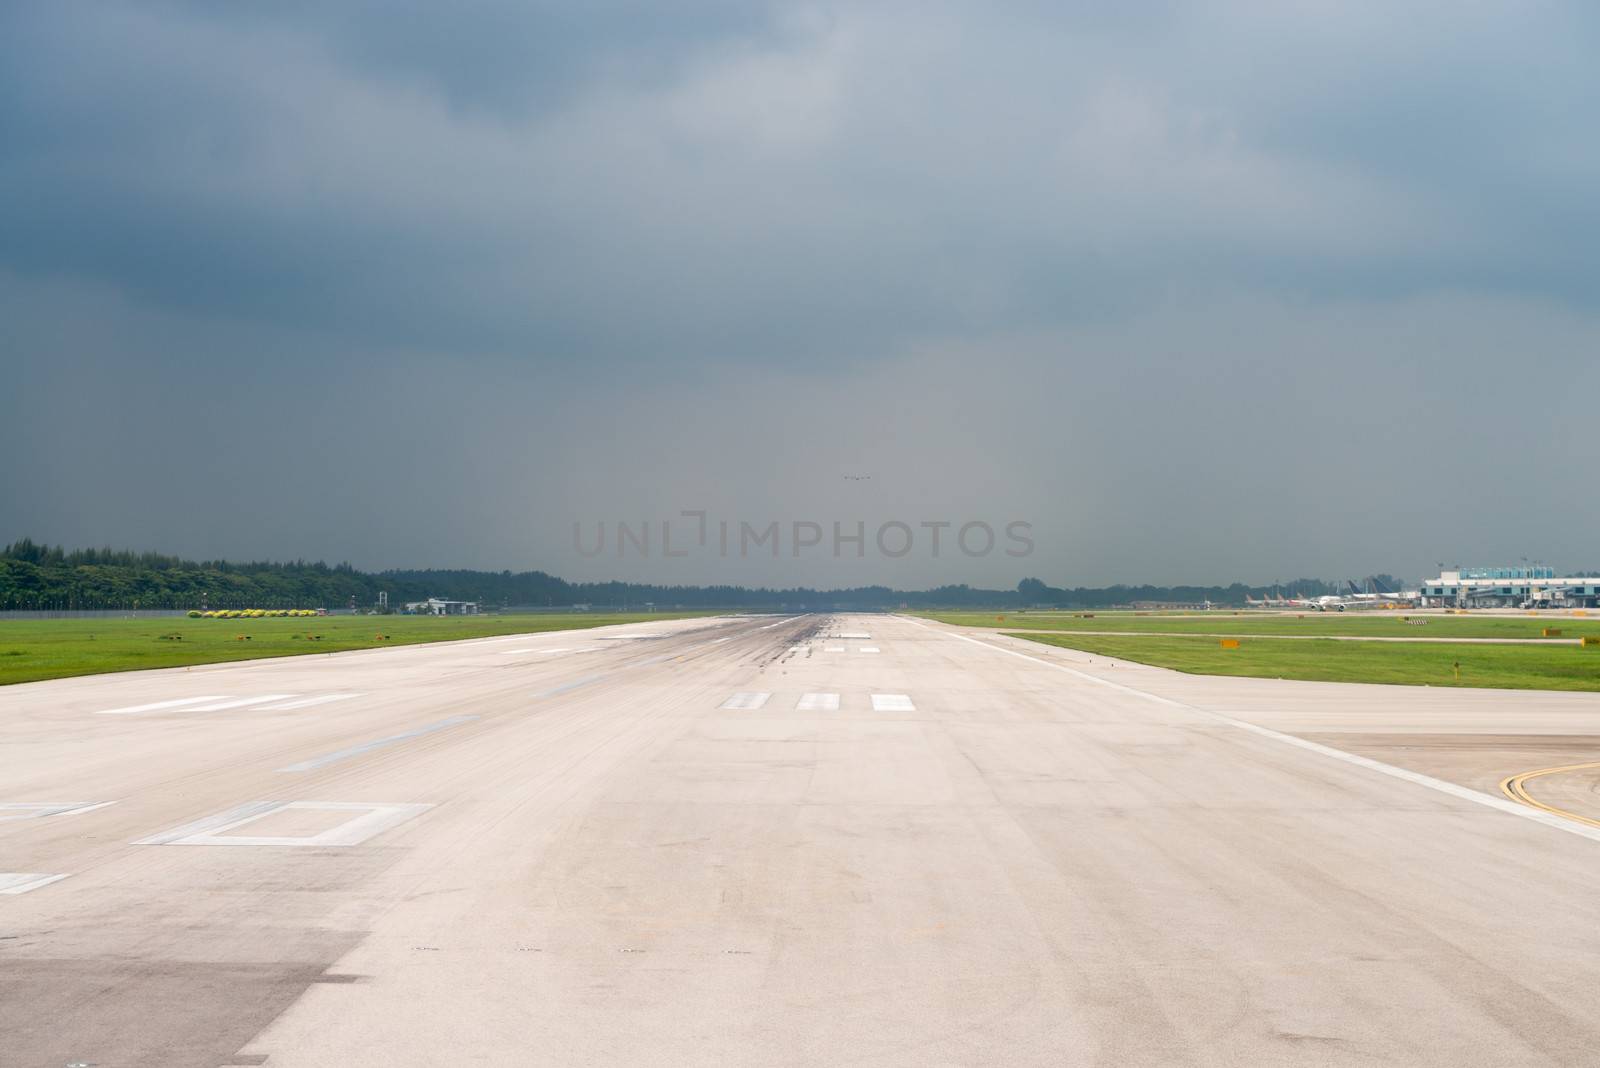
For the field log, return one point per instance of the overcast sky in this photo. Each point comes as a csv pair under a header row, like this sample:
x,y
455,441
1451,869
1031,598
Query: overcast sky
x,y
1202,292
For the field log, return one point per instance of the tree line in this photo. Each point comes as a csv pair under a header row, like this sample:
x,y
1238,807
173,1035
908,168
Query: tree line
x,y
36,576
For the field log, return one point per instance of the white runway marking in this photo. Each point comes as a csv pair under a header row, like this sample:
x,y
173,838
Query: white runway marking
x,y
81,809
853,635
34,810
131,709
240,702
746,702
818,702
869,649
524,652
310,702
1462,792
892,702
374,819
566,686
835,649
377,743
20,882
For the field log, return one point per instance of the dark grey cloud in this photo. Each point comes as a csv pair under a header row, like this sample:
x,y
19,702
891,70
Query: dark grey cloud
x,y
1245,291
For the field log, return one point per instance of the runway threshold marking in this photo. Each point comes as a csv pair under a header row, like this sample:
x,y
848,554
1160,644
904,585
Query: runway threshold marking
x,y
373,819
1477,797
1515,787
869,649
818,702
892,702
746,702
377,743
20,882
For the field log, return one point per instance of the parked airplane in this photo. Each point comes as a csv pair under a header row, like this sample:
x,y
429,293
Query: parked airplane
x,y
1278,600
1376,594
1357,598
1325,603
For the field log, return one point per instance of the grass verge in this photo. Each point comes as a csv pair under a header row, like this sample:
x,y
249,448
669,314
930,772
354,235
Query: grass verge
x,y
1344,624
1512,667
31,650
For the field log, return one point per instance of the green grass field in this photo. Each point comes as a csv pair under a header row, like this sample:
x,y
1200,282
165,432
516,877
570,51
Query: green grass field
x,y
1346,624
31,650
1515,667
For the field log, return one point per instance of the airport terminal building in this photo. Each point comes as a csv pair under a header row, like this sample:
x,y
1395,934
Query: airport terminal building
x,y
1510,587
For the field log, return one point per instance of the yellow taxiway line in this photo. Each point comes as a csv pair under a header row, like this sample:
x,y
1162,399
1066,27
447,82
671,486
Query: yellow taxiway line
x,y
1515,787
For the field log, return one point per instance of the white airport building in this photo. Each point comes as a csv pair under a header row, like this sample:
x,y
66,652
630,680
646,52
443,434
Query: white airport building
x,y
435,606
1510,587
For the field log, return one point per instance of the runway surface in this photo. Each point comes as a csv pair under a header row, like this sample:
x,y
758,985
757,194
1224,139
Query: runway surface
x,y
755,842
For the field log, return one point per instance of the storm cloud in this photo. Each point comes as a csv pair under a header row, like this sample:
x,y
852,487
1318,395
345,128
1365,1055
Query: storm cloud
x,y
1244,291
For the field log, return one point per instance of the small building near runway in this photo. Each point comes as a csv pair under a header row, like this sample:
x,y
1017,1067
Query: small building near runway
x,y
1510,587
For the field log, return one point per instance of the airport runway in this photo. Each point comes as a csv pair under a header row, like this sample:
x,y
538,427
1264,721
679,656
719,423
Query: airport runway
x,y
856,840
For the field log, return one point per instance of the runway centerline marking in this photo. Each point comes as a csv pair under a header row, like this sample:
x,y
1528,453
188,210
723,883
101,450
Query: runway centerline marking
x,y
37,810
647,662
377,743
869,649
818,702
310,702
154,705
20,882
746,702
1477,797
240,702
373,819
573,685
834,649
892,702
